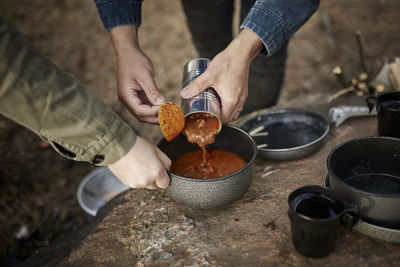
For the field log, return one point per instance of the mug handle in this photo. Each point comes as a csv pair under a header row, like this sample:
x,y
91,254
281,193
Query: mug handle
x,y
351,216
369,102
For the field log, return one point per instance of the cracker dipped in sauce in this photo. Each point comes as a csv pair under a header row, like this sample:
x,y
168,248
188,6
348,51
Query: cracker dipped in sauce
x,y
171,119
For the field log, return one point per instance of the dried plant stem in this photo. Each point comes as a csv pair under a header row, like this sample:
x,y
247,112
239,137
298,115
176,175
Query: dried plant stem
x,y
363,77
340,93
337,71
361,51
380,88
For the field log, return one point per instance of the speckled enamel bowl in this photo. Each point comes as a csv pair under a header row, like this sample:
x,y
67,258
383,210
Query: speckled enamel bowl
x,y
212,193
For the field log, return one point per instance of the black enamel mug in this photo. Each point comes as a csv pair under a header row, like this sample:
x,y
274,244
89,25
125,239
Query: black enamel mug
x,y
315,215
388,109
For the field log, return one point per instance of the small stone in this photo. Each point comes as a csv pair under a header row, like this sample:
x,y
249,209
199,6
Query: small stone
x,y
22,232
165,256
199,224
271,225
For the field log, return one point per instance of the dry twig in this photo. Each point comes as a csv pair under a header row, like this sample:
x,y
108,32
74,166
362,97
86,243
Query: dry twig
x,y
337,71
361,51
340,93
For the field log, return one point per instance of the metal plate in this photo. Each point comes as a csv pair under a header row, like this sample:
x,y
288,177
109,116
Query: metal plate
x,y
97,188
292,133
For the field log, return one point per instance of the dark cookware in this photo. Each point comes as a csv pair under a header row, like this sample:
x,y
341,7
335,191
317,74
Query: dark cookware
x,y
366,173
388,109
315,215
371,230
292,133
215,192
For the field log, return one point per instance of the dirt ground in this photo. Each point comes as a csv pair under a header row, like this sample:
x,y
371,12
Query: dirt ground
x,y
38,187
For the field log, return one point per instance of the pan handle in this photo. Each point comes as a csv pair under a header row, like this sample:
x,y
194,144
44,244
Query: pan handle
x,y
377,232
370,104
351,216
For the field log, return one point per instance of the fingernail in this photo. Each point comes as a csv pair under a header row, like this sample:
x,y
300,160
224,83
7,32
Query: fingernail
x,y
185,92
160,100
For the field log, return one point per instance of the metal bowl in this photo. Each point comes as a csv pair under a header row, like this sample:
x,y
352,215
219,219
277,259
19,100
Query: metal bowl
x,y
214,192
292,133
97,188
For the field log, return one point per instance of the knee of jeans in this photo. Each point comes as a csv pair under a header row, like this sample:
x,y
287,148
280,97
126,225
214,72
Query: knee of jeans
x,y
263,93
263,65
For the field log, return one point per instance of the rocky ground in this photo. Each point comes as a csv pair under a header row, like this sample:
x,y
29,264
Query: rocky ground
x,y
38,187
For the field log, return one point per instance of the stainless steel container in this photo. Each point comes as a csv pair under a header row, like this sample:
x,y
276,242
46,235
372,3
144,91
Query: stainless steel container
x,y
207,101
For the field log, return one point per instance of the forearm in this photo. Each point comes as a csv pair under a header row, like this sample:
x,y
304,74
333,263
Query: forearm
x,y
56,106
124,39
275,21
245,46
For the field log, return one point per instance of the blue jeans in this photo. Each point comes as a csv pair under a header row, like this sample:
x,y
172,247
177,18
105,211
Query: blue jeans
x,y
210,22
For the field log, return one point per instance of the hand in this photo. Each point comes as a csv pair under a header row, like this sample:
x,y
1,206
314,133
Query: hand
x,y
143,167
135,76
228,74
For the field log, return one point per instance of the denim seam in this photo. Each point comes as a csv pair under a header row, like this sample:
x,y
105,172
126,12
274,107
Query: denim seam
x,y
269,11
254,28
272,39
119,24
266,38
110,23
101,4
128,17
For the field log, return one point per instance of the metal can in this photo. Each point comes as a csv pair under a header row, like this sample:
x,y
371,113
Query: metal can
x,y
207,101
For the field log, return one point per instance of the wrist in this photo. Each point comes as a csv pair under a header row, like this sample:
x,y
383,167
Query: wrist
x,y
246,45
124,39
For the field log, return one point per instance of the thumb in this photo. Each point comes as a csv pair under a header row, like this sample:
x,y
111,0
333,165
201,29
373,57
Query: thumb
x,y
153,94
195,87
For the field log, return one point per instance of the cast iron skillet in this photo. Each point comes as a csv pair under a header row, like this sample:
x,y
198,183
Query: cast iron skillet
x,y
366,173
292,133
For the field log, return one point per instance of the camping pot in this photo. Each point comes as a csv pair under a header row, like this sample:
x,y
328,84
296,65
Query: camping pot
x,y
388,109
207,101
366,172
212,193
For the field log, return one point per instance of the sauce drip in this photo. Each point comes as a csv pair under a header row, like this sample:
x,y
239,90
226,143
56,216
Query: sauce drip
x,y
201,128
219,163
